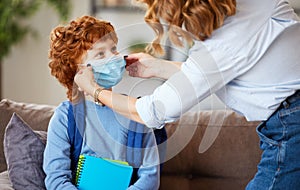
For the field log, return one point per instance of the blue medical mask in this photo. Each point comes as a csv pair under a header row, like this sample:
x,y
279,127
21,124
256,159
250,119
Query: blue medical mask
x,y
108,72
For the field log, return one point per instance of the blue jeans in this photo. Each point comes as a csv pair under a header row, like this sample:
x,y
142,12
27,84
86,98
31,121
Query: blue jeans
x,y
279,168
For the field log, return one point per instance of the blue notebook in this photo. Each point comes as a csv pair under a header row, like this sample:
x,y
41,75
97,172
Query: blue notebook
x,y
98,173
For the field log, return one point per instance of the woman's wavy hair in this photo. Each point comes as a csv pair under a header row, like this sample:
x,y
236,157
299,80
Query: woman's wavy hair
x,y
199,18
69,44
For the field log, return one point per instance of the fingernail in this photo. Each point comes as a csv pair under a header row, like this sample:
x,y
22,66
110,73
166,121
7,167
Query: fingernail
x,y
125,56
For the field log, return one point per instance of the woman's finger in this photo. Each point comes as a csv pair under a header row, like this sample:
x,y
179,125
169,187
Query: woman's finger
x,y
133,73
131,66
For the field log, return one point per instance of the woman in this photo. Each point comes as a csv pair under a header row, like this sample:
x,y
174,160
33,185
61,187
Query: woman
x,y
79,126
234,54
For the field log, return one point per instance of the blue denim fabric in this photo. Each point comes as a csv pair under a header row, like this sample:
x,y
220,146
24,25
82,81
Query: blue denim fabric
x,y
279,168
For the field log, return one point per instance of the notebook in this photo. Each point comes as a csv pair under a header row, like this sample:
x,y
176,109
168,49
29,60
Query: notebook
x,y
99,173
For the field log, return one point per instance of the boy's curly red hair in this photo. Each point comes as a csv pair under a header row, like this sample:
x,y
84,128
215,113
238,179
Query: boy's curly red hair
x,y
69,44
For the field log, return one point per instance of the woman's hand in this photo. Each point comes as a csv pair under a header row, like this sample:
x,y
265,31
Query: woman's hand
x,y
146,66
142,65
85,80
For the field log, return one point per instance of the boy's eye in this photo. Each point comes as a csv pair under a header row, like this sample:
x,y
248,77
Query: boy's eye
x,y
114,49
100,55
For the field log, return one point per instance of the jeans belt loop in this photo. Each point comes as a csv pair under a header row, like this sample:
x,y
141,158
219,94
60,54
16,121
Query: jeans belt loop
x,y
285,104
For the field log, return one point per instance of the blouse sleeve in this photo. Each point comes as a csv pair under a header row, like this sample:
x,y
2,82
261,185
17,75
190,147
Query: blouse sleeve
x,y
204,72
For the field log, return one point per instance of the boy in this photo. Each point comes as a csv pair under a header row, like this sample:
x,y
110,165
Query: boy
x,y
104,133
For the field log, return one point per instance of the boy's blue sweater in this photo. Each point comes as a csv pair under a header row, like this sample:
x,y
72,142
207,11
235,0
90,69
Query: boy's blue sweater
x,y
105,135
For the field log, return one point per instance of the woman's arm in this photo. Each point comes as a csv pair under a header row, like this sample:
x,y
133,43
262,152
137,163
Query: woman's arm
x,y
124,105
139,65
165,105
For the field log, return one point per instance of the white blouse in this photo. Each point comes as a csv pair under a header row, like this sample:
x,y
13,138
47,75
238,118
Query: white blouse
x,y
251,63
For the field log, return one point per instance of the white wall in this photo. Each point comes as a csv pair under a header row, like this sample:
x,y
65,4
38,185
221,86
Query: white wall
x,y
26,75
295,4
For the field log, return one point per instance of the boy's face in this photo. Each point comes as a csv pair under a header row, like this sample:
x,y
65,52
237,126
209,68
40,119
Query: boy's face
x,y
101,49
108,68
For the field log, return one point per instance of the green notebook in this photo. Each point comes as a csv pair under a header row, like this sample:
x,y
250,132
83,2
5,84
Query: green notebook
x,y
95,173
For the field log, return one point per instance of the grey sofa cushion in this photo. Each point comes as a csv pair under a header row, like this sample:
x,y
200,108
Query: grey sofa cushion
x,y
23,149
36,115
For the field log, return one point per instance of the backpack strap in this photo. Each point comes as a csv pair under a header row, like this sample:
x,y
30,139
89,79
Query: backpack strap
x,y
161,137
135,140
76,125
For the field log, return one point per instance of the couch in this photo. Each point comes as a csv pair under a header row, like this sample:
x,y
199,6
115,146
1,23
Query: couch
x,y
226,159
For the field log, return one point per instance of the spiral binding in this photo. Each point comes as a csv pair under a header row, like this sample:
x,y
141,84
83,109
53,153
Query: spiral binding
x,y
79,169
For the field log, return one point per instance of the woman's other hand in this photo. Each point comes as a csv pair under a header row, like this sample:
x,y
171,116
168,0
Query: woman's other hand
x,y
144,65
85,80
